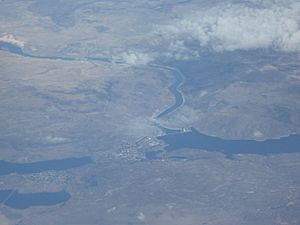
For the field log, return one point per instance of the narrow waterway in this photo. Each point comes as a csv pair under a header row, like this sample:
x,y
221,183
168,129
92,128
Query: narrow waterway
x,y
192,139
173,88
42,166
174,140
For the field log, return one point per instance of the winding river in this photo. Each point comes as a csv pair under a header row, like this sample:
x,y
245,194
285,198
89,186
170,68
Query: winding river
x,y
19,51
192,139
173,88
16,200
174,140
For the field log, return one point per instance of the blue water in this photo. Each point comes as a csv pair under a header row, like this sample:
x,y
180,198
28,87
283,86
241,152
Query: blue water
x,y
193,139
16,200
13,199
19,51
10,47
173,88
196,140
37,167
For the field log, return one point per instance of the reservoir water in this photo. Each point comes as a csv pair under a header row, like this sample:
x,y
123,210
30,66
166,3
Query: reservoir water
x,y
195,140
16,200
192,139
37,167
174,140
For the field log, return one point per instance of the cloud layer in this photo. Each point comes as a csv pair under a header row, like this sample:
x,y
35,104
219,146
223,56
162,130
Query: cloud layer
x,y
237,27
133,58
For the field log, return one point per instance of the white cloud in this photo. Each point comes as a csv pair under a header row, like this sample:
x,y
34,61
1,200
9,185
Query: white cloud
x,y
141,216
9,38
238,27
178,50
134,58
258,134
55,140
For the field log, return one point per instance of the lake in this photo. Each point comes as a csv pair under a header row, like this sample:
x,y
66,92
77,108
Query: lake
x,y
16,200
37,167
196,140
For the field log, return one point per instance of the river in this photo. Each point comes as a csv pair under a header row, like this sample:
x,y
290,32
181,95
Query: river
x,y
174,140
